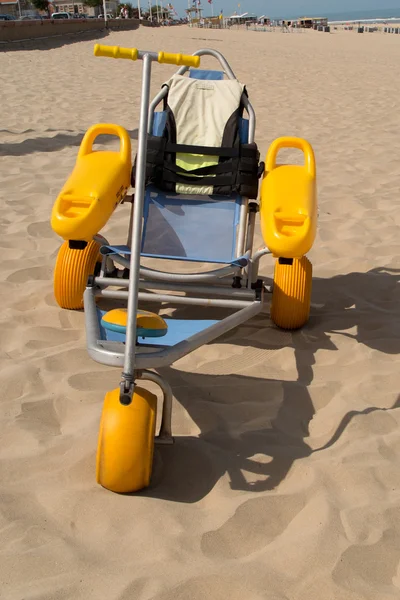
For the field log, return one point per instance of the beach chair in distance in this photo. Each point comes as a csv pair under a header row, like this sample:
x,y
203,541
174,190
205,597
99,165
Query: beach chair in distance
x,y
196,179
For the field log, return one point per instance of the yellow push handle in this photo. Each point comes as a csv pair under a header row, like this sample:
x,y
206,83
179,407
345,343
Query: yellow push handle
x,y
186,60
86,146
116,52
291,142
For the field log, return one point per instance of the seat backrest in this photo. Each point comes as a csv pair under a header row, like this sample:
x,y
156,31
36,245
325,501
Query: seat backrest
x,y
160,119
199,228
206,75
199,142
191,228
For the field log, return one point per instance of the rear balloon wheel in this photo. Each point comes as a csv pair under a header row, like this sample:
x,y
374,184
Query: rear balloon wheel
x,y
126,441
291,297
71,273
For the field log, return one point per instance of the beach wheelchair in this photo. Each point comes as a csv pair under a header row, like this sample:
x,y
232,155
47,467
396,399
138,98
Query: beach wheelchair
x,y
196,181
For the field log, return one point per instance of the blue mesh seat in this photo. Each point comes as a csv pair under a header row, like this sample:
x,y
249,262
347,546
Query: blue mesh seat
x,y
192,228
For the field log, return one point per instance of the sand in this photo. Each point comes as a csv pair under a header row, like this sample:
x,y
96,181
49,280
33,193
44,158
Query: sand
x,y
284,481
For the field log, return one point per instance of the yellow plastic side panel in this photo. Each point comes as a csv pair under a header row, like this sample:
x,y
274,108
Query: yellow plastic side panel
x,y
97,184
288,208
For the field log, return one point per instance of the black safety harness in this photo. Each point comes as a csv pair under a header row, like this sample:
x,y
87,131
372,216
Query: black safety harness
x,y
237,172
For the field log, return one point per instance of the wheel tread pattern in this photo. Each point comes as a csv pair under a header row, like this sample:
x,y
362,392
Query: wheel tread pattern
x,y
291,297
71,273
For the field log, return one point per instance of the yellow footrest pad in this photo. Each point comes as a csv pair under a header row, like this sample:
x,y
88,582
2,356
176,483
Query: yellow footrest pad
x,y
148,324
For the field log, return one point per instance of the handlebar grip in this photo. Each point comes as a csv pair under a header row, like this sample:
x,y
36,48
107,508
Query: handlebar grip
x,y
116,52
186,60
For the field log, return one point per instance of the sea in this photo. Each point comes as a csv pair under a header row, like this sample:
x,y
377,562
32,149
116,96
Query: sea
x,y
366,16
391,15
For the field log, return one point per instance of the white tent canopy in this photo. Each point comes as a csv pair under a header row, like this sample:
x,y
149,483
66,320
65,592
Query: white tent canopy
x,y
243,16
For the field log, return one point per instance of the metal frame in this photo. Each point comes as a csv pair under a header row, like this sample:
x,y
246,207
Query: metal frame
x,y
242,228
165,433
114,353
196,287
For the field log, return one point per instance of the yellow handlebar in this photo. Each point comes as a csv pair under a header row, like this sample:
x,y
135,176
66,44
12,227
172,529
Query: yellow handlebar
x,y
116,52
186,60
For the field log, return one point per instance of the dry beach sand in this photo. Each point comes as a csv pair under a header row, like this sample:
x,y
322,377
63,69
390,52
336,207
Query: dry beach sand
x,y
284,482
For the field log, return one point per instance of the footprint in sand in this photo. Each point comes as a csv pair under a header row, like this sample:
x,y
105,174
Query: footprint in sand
x,y
363,568
217,587
19,380
50,300
40,417
136,589
96,380
31,274
252,527
28,301
41,229
18,245
46,337
72,359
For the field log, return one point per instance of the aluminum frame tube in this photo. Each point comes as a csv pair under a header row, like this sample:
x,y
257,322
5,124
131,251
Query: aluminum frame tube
x,y
229,292
130,344
168,356
165,432
251,225
131,213
158,358
209,52
230,74
242,230
213,275
256,262
171,299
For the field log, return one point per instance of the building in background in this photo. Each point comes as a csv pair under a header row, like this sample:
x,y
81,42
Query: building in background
x,y
80,8
15,8
312,22
242,19
9,7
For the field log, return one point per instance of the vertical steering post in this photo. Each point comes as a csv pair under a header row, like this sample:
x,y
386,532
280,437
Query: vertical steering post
x,y
127,383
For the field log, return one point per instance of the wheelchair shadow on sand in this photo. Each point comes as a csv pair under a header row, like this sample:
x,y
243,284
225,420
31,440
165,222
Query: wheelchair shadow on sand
x,y
364,307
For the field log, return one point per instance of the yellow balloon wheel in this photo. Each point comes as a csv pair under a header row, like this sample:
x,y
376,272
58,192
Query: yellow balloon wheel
x,y
126,442
291,297
71,273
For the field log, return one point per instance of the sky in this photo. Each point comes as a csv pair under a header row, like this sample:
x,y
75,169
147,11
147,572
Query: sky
x,y
286,8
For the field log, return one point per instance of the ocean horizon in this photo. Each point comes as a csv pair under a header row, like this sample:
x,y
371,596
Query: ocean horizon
x,y
389,14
